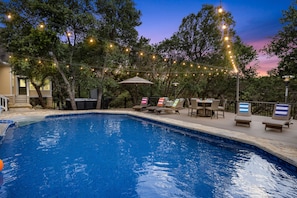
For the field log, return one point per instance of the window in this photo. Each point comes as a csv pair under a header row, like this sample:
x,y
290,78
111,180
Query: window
x,y
46,87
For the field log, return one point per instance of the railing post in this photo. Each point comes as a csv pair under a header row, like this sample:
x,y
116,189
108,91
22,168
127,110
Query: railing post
x,y
4,102
237,91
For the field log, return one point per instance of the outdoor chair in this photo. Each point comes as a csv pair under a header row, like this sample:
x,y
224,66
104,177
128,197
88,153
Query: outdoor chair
x,y
244,114
143,104
222,108
188,105
213,108
280,117
194,107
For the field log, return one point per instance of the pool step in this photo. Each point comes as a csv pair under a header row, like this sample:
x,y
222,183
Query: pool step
x,y
22,121
4,124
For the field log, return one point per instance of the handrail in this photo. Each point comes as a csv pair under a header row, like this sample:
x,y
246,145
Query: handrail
x,y
261,108
3,102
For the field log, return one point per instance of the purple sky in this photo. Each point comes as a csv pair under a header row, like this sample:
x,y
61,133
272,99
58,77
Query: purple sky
x,y
257,21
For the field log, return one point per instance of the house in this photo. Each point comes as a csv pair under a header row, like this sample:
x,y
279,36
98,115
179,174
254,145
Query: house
x,y
18,90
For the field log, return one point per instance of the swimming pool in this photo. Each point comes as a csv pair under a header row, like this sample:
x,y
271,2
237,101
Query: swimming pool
x,y
102,155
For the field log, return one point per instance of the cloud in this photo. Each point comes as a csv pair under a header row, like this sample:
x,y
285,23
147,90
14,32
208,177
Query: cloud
x,y
265,62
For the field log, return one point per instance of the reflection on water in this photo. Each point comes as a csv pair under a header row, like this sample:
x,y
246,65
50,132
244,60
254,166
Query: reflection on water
x,y
253,176
156,180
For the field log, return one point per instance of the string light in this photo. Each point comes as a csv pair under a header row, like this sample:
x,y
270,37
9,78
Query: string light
x,y
226,37
154,57
41,26
9,16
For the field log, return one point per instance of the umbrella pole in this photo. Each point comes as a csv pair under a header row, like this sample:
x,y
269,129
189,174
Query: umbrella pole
x,y
136,94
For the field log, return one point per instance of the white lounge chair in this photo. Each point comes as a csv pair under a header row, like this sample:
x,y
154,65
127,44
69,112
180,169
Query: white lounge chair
x,y
244,114
280,117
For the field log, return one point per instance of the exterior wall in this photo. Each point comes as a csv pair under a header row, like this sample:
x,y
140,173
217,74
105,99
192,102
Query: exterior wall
x,y
45,93
5,81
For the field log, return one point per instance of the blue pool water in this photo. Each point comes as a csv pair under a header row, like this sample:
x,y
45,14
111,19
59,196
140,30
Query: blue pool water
x,y
100,155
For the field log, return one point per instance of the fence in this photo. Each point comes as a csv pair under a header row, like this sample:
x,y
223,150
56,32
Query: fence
x,y
261,108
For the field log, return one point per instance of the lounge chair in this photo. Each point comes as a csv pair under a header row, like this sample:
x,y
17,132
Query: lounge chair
x,y
244,114
177,105
143,104
161,103
280,117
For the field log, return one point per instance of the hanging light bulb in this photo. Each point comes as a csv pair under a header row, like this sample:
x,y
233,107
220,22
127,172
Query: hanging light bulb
x,y
220,9
41,26
9,16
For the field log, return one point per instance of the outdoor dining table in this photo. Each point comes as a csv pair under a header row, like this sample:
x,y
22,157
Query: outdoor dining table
x,y
204,103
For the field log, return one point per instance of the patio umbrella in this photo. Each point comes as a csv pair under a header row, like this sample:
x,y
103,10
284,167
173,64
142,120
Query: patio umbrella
x,y
136,81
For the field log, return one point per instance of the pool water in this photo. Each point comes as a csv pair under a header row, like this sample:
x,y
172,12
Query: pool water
x,y
102,155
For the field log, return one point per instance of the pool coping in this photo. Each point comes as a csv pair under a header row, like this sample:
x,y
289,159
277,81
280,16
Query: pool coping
x,y
279,150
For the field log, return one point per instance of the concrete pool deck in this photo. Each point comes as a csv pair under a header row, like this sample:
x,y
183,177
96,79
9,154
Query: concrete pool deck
x,y
281,144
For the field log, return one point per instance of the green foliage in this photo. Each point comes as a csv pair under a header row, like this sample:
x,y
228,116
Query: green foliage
x,y
283,45
77,65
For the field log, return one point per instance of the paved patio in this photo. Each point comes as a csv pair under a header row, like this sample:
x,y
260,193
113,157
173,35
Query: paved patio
x,y
282,144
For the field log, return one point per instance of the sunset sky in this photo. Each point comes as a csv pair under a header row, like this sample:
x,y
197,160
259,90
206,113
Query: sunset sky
x,y
257,21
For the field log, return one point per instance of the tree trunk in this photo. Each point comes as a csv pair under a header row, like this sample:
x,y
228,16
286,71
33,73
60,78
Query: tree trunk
x,y
99,98
37,88
71,92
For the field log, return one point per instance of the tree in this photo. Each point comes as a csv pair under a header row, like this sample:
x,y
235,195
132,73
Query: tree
x,y
29,43
200,40
284,43
47,30
245,55
117,27
199,36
